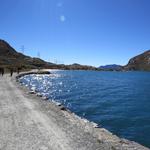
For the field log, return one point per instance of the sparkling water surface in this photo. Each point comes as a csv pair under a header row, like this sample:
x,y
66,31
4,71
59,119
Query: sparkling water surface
x,y
118,101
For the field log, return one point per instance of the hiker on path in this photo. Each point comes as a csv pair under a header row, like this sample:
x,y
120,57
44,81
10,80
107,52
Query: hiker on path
x,y
18,70
2,71
11,72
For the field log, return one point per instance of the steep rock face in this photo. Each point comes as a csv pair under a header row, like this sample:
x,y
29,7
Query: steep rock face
x,y
11,58
140,62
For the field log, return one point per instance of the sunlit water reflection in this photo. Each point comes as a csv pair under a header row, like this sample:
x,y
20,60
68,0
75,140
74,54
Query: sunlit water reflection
x,y
119,101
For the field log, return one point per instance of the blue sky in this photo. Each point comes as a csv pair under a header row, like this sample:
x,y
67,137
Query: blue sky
x,y
92,32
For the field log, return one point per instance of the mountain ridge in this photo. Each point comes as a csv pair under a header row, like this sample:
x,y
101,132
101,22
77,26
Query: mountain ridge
x,y
140,62
111,67
9,58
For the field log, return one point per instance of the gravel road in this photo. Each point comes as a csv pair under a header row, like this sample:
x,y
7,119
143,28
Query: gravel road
x,y
29,123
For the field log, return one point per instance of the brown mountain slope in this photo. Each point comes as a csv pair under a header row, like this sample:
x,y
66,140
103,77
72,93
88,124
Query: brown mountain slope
x,y
140,62
11,58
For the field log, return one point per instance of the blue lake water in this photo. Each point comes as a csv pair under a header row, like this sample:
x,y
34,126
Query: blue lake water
x,y
118,101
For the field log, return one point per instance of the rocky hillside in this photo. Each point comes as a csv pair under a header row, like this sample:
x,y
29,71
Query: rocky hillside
x,y
9,57
140,62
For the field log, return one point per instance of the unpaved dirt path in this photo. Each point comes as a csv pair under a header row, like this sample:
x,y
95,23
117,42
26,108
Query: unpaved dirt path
x,y
29,123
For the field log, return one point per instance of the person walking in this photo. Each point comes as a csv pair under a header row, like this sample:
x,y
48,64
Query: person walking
x,y
11,72
18,70
3,71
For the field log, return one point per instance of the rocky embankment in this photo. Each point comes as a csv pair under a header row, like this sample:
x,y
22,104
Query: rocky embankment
x,y
32,72
61,129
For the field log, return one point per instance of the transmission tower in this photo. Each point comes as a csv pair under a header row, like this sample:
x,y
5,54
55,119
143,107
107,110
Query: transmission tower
x,y
22,49
38,55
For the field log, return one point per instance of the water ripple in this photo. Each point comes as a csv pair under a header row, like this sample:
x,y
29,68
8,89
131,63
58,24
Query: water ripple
x,y
117,100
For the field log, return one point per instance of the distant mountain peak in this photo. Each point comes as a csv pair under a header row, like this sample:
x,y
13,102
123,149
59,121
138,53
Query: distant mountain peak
x,y
111,67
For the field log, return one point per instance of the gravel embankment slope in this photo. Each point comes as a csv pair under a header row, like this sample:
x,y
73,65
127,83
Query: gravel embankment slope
x,y
29,123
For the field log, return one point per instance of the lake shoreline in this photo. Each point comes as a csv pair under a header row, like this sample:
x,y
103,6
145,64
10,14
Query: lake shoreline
x,y
102,135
